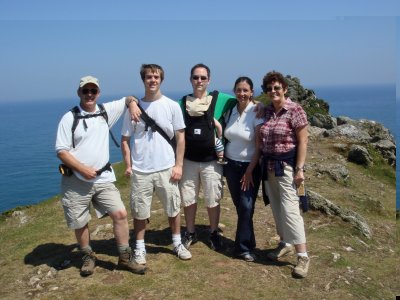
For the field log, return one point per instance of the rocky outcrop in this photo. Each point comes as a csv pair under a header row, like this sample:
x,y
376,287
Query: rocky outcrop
x,y
323,121
317,202
362,133
337,172
353,132
359,155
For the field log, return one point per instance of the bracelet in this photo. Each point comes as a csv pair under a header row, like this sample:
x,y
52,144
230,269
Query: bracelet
x,y
300,169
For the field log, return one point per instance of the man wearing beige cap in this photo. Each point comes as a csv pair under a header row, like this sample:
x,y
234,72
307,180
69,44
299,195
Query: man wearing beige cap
x,y
82,144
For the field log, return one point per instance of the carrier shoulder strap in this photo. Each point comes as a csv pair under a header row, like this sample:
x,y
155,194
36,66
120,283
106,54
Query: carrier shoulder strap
x,y
211,108
185,113
77,116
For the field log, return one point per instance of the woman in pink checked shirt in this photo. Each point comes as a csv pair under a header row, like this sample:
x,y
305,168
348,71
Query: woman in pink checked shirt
x,y
283,142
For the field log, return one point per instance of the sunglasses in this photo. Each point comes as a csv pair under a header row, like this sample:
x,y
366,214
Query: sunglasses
x,y
275,88
203,78
92,91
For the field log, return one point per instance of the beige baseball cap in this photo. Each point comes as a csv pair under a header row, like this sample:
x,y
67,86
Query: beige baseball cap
x,y
88,79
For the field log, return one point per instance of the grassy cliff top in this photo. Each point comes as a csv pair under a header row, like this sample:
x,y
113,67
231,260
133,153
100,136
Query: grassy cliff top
x,y
39,259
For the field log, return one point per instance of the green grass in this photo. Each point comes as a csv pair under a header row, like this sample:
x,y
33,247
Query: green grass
x,y
44,242
380,169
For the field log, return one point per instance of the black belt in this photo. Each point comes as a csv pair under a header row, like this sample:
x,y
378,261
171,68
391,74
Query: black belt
x,y
107,167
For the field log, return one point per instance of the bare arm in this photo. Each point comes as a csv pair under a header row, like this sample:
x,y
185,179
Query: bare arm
x,y
218,128
180,151
126,154
134,110
69,160
302,139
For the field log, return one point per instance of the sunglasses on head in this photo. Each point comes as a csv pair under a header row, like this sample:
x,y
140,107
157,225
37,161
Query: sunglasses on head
x,y
275,88
92,91
196,77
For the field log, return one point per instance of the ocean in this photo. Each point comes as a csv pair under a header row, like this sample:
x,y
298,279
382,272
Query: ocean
x,y
29,166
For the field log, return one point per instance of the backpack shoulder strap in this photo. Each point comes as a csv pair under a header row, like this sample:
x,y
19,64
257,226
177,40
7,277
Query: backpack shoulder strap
x,y
104,114
77,116
76,113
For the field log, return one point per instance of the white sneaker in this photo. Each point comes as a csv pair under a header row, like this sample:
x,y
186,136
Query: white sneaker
x,y
140,256
182,252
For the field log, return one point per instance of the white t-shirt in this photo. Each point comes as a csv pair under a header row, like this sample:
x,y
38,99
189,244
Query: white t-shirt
x,y
240,131
91,143
150,152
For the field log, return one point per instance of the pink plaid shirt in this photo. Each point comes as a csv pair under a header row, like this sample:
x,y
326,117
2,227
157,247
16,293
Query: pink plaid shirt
x,y
278,133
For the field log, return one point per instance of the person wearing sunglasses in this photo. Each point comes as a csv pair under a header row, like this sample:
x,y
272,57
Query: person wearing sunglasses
x,y
90,177
200,166
283,139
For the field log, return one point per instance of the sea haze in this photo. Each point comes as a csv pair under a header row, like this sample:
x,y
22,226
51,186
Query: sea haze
x,y
29,166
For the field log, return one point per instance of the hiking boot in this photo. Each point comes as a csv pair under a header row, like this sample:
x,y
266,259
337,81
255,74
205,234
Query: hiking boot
x,y
140,256
301,268
126,261
189,239
281,251
182,252
215,241
89,263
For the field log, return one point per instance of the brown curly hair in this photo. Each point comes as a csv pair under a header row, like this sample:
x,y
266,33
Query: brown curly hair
x,y
271,77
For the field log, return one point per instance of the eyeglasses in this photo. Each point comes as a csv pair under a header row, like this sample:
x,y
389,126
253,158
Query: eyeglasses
x,y
276,88
196,77
92,91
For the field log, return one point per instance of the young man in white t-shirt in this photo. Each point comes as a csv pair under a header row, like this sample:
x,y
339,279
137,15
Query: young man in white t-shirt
x,y
151,162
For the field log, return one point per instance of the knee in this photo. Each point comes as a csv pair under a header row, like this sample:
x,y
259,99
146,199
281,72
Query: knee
x,y
119,215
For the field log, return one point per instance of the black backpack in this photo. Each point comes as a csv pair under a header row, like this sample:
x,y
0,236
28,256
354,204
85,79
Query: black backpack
x,y
77,116
200,133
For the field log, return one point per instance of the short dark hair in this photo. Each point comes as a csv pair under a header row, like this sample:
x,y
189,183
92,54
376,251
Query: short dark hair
x,y
154,68
271,77
200,66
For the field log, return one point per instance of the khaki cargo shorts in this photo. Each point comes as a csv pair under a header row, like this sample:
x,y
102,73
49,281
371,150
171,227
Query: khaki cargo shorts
x,y
77,195
143,186
208,175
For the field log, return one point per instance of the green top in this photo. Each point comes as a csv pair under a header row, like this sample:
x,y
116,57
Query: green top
x,y
224,103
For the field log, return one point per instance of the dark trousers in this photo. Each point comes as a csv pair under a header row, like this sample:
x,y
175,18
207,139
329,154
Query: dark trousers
x,y
244,202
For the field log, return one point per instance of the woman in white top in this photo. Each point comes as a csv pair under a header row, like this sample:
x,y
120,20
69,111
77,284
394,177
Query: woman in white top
x,y
243,171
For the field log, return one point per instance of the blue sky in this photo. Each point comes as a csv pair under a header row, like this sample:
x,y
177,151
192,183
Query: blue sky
x,y
48,45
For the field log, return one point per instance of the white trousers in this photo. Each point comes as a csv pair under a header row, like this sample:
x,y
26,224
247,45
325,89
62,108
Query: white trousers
x,y
285,206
